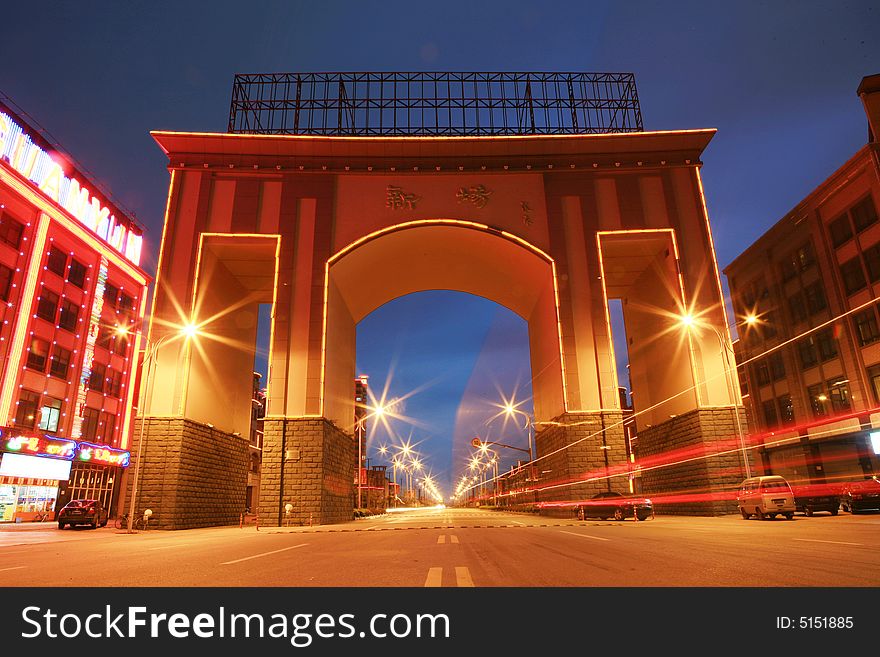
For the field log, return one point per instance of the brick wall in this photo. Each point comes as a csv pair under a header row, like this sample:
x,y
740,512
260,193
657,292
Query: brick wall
x,y
308,463
192,475
585,453
704,443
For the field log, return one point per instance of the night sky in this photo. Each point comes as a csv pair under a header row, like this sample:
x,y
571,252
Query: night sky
x,y
777,79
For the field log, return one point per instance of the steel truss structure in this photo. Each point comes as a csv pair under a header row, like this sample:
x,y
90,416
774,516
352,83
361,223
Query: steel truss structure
x,y
434,104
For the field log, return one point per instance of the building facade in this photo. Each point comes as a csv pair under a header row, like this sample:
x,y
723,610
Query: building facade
x,y
805,296
73,300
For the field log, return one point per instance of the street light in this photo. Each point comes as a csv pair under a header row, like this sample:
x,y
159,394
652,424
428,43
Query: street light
x,y
150,351
511,412
689,322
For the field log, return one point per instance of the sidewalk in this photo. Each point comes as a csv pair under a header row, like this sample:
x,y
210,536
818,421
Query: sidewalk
x,y
27,525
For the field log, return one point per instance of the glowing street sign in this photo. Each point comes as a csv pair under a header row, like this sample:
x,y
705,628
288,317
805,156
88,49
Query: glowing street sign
x,y
38,445
35,164
102,455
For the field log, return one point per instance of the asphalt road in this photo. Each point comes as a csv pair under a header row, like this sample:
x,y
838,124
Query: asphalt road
x,y
458,547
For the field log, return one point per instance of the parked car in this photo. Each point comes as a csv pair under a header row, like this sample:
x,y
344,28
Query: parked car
x,y
82,512
861,495
765,497
615,505
817,497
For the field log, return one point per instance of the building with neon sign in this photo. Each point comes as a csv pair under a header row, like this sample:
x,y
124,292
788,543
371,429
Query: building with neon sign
x,y
809,353
70,280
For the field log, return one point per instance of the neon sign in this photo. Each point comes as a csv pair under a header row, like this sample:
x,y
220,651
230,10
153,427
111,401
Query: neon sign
x,y
16,442
39,446
103,455
35,164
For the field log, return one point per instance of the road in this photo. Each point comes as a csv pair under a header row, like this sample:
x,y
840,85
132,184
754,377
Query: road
x,y
458,548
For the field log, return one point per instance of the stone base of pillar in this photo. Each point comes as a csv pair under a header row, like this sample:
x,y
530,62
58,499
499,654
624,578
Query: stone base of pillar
x,y
191,475
692,464
579,455
309,464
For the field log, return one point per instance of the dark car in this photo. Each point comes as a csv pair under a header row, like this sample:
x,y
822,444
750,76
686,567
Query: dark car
x,y
818,497
861,495
617,506
82,512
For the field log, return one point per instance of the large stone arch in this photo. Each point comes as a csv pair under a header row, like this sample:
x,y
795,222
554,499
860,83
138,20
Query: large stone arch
x,y
550,226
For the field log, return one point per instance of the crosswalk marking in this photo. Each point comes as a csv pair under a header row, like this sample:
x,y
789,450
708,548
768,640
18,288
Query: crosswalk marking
x,y
463,576
453,538
441,539
435,577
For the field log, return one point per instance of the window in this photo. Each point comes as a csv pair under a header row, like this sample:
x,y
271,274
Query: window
x,y
866,327
827,345
114,383
96,378
762,372
786,409
106,428
77,274
89,424
872,262
105,336
815,295
874,381
771,421
768,325
777,366
10,230
803,257
797,308
38,354
818,400
47,306
60,362
838,392
26,411
807,352
68,316
56,261
120,345
50,414
840,230
863,214
853,276
110,294
126,302
5,282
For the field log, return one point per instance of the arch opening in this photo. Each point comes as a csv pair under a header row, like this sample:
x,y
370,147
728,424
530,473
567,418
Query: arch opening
x,y
440,255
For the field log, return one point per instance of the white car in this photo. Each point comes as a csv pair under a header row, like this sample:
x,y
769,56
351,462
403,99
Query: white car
x,y
766,497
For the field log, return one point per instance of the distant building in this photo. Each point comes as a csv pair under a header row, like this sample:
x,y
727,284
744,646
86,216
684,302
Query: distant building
x,y
810,359
73,298
255,443
360,428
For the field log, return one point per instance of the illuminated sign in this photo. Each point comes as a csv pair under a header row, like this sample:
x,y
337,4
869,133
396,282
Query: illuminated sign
x,y
102,455
38,446
35,164
14,442
34,467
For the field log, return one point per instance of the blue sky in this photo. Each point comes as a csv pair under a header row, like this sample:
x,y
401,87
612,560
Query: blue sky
x,y
777,79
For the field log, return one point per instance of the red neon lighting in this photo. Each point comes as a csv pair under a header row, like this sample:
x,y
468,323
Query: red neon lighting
x,y
36,445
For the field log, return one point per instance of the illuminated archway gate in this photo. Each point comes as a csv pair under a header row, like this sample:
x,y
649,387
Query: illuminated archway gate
x,y
329,228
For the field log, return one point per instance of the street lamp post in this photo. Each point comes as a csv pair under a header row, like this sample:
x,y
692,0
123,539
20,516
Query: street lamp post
x,y
149,361
688,321
150,352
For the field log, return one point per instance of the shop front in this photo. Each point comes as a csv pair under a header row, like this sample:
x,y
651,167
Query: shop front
x,y
39,474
